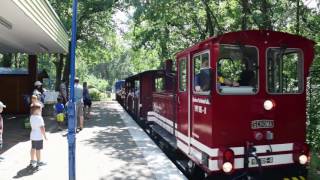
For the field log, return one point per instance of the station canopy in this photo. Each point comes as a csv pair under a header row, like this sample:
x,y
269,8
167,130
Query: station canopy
x,y
32,27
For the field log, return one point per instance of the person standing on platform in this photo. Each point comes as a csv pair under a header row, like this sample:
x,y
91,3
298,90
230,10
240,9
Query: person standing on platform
x,y
78,95
38,91
86,100
63,92
1,124
36,135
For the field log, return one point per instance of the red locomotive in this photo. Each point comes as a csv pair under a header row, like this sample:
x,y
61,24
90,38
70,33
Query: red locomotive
x,y
235,106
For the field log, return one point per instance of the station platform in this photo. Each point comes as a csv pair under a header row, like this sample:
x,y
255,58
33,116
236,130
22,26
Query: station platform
x,y
111,146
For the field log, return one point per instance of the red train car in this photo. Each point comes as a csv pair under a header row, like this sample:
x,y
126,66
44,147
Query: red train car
x,y
238,107
139,88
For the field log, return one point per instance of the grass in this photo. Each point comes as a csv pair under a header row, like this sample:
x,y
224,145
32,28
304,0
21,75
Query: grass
x,y
314,171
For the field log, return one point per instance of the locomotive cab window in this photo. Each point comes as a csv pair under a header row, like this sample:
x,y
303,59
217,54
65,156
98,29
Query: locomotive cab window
x,y
284,70
202,75
237,70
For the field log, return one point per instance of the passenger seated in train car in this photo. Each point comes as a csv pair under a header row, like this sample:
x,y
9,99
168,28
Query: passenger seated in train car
x,y
202,78
237,67
247,78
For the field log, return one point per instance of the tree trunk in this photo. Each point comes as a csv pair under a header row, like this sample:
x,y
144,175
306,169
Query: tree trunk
x,y
210,27
266,15
298,18
245,12
16,60
210,18
66,70
164,44
59,67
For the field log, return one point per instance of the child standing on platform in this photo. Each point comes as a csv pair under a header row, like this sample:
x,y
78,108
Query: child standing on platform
x,y
59,108
1,124
37,134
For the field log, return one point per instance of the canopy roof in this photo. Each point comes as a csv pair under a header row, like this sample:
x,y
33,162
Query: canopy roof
x,y
31,27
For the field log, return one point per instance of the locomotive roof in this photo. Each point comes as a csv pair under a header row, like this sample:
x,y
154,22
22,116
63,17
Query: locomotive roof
x,y
249,36
144,73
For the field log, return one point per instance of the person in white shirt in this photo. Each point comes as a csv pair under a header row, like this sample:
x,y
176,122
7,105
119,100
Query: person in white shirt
x,y
78,95
37,133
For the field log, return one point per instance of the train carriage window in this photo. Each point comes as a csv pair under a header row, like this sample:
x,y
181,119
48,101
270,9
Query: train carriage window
x,y
183,75
284,70
201,70
237,70
159,83
136,88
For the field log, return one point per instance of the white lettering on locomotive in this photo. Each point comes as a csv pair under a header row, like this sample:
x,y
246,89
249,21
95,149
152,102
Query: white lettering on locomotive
x,y
200,109
201,101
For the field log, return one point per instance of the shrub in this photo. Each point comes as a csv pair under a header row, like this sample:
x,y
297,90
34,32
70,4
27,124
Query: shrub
x,y
95,94
97,83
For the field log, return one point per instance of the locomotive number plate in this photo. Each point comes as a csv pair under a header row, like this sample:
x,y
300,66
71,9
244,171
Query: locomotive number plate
x,y
266,160
261,124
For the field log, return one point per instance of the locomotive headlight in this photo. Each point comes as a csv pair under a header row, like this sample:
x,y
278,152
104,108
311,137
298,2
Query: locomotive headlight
x,y
227,167
303,159
268,105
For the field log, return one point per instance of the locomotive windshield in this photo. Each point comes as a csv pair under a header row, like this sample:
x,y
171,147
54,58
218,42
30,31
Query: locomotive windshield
x,y
237,71
285,70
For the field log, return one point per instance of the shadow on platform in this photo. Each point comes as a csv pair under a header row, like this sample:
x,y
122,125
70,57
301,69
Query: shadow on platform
x,y
27,171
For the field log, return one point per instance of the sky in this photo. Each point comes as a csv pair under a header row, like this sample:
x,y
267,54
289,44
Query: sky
x,y
312,3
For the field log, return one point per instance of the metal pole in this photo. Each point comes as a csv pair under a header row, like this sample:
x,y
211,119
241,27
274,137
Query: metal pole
x,y
72,116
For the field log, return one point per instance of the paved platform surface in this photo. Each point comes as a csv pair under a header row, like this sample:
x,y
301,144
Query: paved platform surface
x,y
111,147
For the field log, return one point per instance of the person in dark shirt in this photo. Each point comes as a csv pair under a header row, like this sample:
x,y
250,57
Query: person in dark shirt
x,y
246,78
86,100
202,79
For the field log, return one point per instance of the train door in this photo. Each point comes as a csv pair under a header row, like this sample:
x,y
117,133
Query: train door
x,y
183,130
200,102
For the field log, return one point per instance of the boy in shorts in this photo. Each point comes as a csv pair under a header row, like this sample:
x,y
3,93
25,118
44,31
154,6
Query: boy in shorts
x,y
36,135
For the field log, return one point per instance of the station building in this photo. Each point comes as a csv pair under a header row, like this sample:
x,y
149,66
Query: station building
x,y
32,28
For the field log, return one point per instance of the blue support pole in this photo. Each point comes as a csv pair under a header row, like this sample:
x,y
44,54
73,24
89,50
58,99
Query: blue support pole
x,y
72,116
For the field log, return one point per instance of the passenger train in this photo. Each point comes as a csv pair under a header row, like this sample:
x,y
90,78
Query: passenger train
x,y
234,105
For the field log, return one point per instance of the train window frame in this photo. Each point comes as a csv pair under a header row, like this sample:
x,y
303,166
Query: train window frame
x,y
237,90
186,74
162,82
137,88
205,93
301,72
